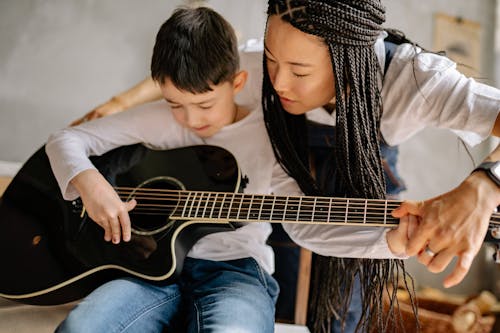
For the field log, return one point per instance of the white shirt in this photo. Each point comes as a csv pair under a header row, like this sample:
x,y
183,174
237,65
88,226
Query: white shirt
x,y
154,125
419,89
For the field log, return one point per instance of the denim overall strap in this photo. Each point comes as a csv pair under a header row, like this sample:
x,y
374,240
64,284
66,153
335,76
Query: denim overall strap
x,y
322,147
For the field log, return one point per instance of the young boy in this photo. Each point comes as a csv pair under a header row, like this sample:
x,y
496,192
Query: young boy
x,y
225,285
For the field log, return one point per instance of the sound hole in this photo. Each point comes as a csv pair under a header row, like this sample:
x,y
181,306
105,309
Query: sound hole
x,y
155,203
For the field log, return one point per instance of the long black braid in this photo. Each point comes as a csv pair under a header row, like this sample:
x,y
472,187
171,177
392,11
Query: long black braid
x,y
349,29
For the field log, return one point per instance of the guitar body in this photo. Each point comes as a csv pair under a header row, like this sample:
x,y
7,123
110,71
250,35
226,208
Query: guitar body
x,y
51,253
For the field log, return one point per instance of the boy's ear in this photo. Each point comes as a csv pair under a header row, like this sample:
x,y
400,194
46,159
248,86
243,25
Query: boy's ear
x,y
239,81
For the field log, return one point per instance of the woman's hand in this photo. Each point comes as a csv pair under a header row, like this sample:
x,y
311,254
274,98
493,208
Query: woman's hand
x,y
104,206
112,106
452,224
144,92
398,238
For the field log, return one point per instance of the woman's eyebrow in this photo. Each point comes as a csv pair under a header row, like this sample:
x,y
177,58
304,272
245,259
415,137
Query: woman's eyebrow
x,y
293,63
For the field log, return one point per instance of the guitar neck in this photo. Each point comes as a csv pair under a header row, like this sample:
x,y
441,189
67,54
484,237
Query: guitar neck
x,y
238,207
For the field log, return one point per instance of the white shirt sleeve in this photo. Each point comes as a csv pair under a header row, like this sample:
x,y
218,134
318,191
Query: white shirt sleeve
x,y
423,89
335,241
69,149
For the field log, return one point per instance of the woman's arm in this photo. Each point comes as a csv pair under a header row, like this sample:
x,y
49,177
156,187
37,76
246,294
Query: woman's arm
x,y
143,92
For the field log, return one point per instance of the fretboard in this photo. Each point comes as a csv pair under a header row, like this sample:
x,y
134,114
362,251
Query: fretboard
x,y
237,207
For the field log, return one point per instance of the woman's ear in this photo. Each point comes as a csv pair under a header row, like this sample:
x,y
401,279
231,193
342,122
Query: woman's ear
x,y
239,81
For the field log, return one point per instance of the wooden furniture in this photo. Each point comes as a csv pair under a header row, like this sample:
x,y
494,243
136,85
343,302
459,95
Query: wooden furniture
x,y
303,281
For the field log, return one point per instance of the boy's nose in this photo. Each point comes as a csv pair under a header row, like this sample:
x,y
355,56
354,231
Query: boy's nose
x,y
193,120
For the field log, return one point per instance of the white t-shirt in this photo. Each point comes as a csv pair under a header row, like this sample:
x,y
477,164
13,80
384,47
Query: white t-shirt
x,y
154,125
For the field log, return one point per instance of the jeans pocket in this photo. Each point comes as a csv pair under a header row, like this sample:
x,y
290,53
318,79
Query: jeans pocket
x,y
267,280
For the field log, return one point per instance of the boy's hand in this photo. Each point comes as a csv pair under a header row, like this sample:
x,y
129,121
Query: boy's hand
x,y
104,206
106,109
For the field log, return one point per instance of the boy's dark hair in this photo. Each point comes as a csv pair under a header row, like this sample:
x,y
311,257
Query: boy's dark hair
x,y
195,48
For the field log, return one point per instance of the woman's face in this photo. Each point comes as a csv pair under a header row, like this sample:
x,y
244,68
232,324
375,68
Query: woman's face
x,y
299,66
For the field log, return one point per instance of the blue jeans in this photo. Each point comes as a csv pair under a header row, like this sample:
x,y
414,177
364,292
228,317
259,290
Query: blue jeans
x,y
210,296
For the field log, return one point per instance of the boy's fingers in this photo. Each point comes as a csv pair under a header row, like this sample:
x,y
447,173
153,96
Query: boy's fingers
x,y
125,225
115,230
130,204
107,233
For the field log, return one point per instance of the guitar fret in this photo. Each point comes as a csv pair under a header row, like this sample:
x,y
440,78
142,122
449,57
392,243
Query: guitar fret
x,y
329,210
346,210
222,205
239,208
298,209
191,208
284,209
313,210
385,213
364,216
322,211
261,205
250,207
206,204
213,205
230,206
199,204
272,209
185,204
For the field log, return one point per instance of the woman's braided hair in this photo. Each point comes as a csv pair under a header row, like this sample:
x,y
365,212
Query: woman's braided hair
x,y
349,28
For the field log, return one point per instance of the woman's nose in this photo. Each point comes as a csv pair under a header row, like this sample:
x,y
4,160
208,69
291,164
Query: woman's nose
x,y
279,81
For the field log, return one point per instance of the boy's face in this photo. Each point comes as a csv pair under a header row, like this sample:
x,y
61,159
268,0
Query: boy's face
x,y
203,113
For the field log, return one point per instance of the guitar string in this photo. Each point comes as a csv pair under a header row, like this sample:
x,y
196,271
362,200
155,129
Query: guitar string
x,y
320,206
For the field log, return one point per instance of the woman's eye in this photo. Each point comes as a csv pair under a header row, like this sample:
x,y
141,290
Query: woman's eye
x,y
175,106
300,75
205,107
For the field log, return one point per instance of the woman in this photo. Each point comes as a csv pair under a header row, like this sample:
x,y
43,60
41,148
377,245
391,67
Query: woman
x,y
323,64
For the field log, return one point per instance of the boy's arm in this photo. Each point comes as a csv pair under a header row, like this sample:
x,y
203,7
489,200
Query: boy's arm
x,y
143,92
69,149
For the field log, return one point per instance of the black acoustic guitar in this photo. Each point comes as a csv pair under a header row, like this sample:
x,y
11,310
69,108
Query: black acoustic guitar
x,y
52,253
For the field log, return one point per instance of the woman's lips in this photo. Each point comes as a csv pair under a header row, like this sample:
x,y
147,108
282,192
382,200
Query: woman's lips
x,y
285,100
